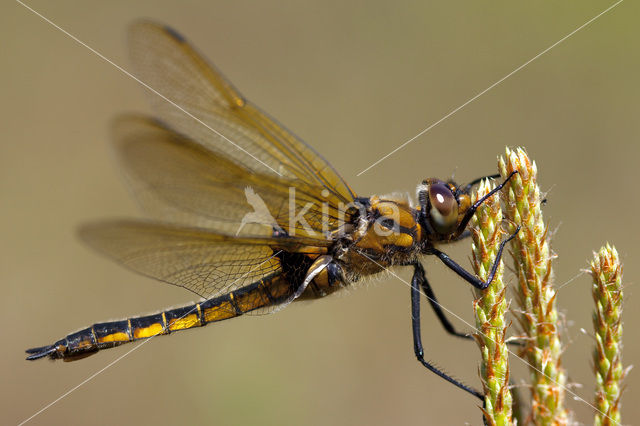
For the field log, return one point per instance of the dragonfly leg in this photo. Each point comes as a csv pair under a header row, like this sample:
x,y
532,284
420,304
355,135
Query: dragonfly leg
x,y
316,268
465,234
416,282
467,187
437,308
433,301
468,276
472,210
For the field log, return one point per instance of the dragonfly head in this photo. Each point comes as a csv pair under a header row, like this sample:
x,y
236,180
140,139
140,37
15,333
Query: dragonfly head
x,y
442,206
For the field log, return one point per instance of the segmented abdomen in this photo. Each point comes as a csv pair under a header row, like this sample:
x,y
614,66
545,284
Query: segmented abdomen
x,y
267,292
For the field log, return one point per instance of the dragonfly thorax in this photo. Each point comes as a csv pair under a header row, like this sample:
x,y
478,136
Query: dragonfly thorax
x,y
388,224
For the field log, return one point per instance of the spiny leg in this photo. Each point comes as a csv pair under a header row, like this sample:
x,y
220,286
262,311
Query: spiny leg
x,y
472,210
474,182
468,276
424,283
476,282
464,235
442,317
417,338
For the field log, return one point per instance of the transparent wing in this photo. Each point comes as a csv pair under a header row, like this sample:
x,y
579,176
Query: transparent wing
x,y
203,262
181,181
209,110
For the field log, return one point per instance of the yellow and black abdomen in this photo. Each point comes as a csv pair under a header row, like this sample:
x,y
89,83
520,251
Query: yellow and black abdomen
x,y
265,293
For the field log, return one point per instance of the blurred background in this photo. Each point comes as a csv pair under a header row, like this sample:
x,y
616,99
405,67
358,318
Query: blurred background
x,y
354,80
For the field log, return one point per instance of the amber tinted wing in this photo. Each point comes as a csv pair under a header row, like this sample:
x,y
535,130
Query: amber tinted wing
x,y
203,262
181,181
205,107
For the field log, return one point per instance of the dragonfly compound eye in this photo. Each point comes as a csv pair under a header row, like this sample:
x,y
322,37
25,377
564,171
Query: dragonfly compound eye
x,y
444,208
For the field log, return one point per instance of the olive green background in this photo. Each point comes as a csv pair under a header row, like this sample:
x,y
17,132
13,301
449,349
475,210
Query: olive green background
x,y
355,80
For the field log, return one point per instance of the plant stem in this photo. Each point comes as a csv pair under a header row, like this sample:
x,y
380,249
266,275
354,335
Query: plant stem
x,y
490,308
606,271
532,260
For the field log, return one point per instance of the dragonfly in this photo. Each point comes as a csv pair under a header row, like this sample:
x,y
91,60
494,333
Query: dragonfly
x,y
199,168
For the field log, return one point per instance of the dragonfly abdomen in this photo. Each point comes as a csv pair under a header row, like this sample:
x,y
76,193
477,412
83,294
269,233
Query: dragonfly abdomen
x,y
261,294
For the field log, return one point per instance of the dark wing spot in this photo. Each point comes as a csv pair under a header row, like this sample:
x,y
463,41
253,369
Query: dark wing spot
x,y
173,33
